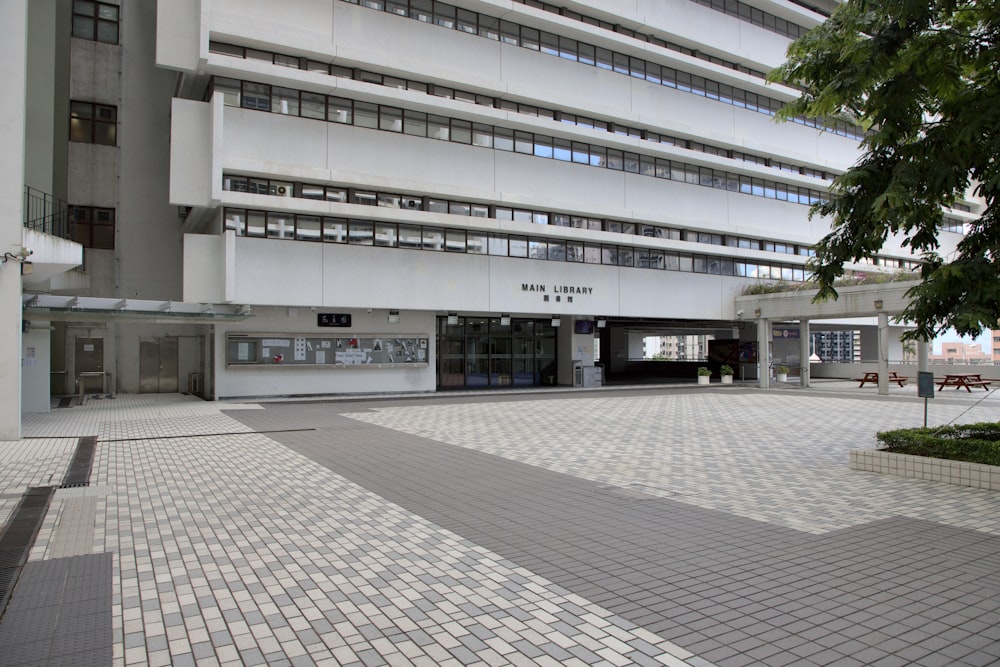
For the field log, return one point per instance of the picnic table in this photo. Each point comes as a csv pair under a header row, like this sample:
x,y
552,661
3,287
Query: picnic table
x,y
872,377
967,380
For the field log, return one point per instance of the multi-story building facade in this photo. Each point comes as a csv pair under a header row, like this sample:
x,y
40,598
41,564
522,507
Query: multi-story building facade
x,y
836,346
331,196
957,352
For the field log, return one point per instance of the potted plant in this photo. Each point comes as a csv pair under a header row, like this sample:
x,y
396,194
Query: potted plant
x,y
704,375
781,373
726,373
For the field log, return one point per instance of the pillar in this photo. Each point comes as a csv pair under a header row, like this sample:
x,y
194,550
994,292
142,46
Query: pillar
x,y
883,353
764,352
804,352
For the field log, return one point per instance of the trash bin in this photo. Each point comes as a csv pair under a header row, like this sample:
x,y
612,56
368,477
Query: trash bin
x,y
592,376
577,373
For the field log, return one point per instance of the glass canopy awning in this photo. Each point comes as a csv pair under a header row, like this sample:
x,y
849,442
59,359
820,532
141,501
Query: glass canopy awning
x,y
49,307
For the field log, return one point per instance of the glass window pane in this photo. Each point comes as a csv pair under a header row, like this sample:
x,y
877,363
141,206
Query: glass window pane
x,y
498,245
410,236
107,32
433,239
518,246
503,139
360,232
437,127
385,234
455,240
461,131
280,226
256,223
314,106
335,230
476,242
390,119
366,114
340,110
307,227
415,123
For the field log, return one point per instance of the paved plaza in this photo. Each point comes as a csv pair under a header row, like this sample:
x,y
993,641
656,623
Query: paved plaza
x,y
675,525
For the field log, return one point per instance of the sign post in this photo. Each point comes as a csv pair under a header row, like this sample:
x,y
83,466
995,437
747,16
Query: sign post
x,y
925,389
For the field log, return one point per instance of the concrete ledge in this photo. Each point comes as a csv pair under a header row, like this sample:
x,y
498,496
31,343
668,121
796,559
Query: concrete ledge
x,y
960,473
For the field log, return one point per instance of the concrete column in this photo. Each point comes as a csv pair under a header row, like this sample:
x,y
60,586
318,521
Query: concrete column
x,y
764,353
13,63
804,352
923,356
883,353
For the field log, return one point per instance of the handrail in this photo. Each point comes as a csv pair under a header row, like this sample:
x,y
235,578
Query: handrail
x,y
45,213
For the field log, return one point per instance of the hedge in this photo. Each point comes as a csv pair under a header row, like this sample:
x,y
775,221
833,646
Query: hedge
x,y
976,443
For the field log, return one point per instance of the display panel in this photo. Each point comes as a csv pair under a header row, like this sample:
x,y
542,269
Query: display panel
x,y
370,350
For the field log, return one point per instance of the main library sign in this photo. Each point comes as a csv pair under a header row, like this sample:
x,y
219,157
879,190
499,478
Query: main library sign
x,y
560,292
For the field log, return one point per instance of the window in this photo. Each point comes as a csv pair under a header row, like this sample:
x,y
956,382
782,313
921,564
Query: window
x,y
93,227
97,21
93,123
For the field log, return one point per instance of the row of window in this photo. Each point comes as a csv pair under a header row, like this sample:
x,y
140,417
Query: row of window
x,y
342,194
279,225
747,13
96,21
92,226
264,97
507,105
757,17
449,16
93,123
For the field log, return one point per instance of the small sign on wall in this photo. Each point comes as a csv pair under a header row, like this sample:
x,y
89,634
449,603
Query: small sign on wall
x,y
333,319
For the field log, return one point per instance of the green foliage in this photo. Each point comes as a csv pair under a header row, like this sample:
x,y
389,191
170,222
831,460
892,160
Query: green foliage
x,y
923,77
704,372
855,278
726,369
976,443
781,370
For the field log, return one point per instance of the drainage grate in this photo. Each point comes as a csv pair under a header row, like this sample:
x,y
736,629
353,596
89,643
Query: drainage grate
x,y
78,473
18,536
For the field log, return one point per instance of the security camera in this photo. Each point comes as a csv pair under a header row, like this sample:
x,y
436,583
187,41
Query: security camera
x,y
739,313
26,252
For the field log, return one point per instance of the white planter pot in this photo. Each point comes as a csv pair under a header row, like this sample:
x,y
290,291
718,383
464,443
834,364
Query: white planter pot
x,y
781,377
727,379
703,379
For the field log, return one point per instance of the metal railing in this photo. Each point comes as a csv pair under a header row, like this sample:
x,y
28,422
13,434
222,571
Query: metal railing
x,y
45,213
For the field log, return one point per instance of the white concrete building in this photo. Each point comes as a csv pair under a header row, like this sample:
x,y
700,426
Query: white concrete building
x,y
314,197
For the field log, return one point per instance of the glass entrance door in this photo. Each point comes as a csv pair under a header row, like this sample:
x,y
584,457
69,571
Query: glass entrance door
x,y
484,352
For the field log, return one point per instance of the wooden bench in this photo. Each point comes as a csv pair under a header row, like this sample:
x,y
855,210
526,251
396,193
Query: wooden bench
x,y
967,380
872,377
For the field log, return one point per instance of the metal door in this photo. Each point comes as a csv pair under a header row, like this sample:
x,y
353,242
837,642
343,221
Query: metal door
x,y
157,365
90,359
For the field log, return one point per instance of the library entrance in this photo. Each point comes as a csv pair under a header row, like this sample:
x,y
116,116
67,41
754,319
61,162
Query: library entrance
x,y
495,352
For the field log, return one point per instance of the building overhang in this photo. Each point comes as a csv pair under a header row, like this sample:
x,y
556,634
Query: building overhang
x,y
852,301
52,308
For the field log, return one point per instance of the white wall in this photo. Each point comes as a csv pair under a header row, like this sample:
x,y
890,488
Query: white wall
x,y
287,380
35,367
13,50
301,273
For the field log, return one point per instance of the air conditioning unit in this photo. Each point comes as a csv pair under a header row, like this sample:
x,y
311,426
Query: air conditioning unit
x,y
284,190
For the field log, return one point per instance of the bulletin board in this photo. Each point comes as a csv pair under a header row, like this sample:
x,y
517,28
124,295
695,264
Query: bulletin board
x,y
367,350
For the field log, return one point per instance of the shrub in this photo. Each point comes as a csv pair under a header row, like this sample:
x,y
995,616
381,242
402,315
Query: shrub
x,y
976,443
704,372
726,369
781,370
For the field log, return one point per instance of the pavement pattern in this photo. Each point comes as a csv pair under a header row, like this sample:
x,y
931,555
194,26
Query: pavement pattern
x,y
664,527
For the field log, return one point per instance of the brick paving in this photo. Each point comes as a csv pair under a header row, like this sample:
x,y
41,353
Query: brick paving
x,y
657,526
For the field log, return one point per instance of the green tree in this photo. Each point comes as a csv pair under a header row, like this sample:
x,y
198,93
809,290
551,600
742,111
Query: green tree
x,y
924,77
